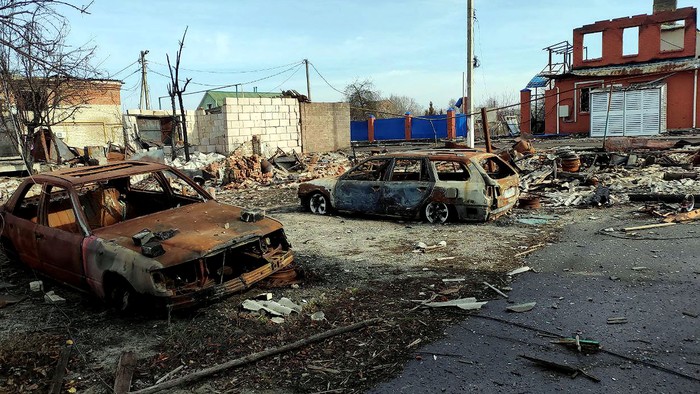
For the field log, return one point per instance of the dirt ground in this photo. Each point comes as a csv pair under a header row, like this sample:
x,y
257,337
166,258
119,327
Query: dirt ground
x,y
354,268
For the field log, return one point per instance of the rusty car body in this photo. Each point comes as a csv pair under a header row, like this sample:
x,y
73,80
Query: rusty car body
x,y
132,230
436,185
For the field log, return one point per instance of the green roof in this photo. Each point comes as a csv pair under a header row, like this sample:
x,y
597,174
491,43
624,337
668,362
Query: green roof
x,y
216,97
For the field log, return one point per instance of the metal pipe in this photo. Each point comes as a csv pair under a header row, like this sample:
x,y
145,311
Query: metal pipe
x,y
695,98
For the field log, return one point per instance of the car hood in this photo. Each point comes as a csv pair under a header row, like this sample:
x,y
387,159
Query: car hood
x,y
203,228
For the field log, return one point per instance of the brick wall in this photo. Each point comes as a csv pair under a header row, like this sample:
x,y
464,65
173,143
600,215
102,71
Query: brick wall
x,y
325,127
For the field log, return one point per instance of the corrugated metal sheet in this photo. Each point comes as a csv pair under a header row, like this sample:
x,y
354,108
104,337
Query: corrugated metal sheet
x,y
537,81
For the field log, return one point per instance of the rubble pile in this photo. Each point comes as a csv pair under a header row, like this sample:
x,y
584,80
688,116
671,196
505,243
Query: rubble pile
x,y
239,171
591,177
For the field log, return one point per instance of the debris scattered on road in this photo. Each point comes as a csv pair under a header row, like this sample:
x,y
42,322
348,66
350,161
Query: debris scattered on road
x,y
581,345
646,227
521,307
466,304
567,369
490,286
519,270
617,320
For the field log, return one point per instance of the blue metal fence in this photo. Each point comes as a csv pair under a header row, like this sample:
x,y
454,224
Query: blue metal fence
x,y
423,127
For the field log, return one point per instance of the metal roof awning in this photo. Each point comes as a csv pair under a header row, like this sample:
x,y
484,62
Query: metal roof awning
x,y
537,81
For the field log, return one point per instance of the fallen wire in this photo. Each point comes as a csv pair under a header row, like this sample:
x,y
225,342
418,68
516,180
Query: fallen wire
x,y
610,352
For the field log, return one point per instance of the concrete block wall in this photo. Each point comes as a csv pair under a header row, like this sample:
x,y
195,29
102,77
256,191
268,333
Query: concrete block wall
x,y
325,127
274,120
91,125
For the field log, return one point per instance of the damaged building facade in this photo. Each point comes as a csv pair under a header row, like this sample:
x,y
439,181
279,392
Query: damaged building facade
x,y
630,76
251,124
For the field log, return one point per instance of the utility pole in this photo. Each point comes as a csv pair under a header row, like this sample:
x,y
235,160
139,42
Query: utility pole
x,y
145,94
470,70
308,83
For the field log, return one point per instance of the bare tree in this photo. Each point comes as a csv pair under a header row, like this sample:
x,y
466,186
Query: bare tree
x,y
363,98
43,81
402,104
175,91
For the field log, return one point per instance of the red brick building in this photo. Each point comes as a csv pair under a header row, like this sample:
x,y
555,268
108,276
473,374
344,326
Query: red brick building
x,y
628,76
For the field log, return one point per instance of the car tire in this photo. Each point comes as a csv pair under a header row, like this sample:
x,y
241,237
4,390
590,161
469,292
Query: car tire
x,y
318,204
436,212
121,296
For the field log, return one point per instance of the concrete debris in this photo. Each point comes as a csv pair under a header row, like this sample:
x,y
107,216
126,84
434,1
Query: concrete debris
x,y
36,286
53,298
318,316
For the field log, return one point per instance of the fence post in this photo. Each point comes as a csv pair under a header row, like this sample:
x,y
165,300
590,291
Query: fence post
x,y
525,98
370,128
407,126
451,129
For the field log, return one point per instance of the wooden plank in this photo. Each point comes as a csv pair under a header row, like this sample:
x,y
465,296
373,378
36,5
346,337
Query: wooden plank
x,y
125,371
60,373
648,226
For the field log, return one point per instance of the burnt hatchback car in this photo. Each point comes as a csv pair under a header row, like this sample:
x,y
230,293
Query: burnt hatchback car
x,y
133,229
436,185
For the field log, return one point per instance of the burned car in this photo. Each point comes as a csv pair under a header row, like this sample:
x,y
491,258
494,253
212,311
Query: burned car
x,y
436,185
136,230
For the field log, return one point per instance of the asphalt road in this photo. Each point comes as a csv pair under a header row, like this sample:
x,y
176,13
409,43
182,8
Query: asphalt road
x,y
580,282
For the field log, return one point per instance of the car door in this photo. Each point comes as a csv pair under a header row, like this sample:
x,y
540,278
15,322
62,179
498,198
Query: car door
x,y
21,225
360,189
408,186
59,237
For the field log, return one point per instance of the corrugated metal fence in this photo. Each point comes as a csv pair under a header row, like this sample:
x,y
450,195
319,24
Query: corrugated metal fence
x,y
423,127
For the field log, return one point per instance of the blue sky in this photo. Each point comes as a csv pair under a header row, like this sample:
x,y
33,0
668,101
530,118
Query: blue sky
x,y
414,48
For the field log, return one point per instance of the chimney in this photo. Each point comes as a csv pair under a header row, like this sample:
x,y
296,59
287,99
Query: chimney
x,y
665,5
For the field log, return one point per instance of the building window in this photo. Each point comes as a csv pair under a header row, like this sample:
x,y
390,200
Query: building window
x,y
593,46
672,36
630,41
585,103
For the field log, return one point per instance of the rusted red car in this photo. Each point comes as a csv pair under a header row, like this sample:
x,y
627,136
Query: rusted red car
x,y
436,185
136,230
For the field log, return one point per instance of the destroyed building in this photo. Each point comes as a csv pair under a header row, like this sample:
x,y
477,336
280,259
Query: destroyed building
x,y
645,65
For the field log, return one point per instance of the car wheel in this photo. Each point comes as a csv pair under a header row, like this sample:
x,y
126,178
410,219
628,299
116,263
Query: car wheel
x,y
318,204
436,212
122,296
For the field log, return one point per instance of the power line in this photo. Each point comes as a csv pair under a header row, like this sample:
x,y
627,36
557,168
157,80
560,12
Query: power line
x,y
288,78
240,83
180,80
234,72
120,71
324,79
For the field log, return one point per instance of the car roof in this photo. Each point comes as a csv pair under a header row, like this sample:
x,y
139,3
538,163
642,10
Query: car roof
x,y
82,175
439,154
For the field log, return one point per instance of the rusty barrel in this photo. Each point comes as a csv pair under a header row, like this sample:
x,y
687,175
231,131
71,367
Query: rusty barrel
x,y
570,164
